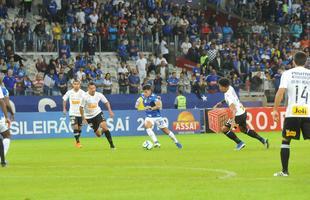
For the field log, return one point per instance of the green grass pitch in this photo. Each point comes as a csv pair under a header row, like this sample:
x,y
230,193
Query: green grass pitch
x,y
207,167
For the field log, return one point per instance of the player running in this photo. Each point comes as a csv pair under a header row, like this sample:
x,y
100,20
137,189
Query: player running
x,y
91,111
296,83
152,109
4,124
74,96
239,116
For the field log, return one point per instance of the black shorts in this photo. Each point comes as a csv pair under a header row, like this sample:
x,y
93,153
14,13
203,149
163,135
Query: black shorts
x,y
76,120
96,121
293,125
240,120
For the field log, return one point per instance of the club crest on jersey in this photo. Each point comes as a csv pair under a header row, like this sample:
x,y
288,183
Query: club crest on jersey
x,y
300,110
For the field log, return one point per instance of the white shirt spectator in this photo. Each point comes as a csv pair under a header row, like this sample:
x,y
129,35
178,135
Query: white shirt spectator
x,y
94,18
296,44
79,75
163,49
185,47
80,16
122,70
58,2
159,60
141,66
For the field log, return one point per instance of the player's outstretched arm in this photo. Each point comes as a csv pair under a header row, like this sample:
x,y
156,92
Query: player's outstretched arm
x,y
277,101
108,106
219,104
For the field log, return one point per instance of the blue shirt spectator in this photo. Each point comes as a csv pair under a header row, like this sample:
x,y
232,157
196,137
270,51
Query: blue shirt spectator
x,y
112,33
64,49
3,11
212,80
173,83
122,52
134,82
9,82
52,8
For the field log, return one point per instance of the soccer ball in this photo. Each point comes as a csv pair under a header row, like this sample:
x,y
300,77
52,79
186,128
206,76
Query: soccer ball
x,y
148,145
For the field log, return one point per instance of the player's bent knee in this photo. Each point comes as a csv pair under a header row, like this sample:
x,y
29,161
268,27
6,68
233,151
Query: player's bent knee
x,y
225,129
147,124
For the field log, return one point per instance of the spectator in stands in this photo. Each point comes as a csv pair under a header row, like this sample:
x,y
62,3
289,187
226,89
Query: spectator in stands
x,y
122,51
159,60
28,86
296,29
99,83
134,82
133,50
212,80
163,70
38,85
19,85
236,83
123,83
3,11
61,82
157,83
84,83
57,32
91,44
9,82
64,49
107,84
194,84
227,32
49,82
52,10
80,74
151,64
257,82
184,83
164,49
123,69
40,33
185,46
173,83
3,66
202,84
112,36
141,64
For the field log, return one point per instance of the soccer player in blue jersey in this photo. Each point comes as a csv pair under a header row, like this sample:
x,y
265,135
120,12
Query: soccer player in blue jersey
x,y
152,109
4,126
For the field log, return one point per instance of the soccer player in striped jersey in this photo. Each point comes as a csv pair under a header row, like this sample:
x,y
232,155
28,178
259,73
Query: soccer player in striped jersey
x,y
74,96
296,84
239,116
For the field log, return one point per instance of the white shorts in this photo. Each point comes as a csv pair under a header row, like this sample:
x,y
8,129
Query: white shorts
x,y
3,125
159,121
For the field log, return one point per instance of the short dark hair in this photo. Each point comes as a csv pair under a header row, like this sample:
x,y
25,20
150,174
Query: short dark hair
x,y
224,82
147,87
180,92
76,80
91,83
300,58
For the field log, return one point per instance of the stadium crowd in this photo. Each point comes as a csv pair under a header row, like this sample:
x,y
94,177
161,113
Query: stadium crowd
x,y
255,52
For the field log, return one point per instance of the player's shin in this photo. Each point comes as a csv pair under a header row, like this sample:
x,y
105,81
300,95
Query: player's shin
x,y
109,137
6,145
77,135
285,155
152,135
232,136
172,136
253,134
2,156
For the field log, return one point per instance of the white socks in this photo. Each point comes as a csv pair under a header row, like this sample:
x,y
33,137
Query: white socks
x,y
152,135
172,136
6,145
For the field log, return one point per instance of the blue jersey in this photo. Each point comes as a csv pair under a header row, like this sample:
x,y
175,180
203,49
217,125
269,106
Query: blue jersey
x,y
5,94
150,101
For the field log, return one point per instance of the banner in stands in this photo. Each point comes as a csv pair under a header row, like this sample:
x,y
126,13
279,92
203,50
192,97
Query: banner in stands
x,y
128,123
118,102
259,119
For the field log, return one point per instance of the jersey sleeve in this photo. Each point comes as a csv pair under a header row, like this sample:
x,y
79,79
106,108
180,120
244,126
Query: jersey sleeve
x,y
1,94
66,96
83,102
228,99
5,92
284,81
103,99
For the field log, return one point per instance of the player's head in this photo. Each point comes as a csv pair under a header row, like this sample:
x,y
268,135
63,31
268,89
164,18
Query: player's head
x,y
224,84
91,88
300,58
147,90
76,84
